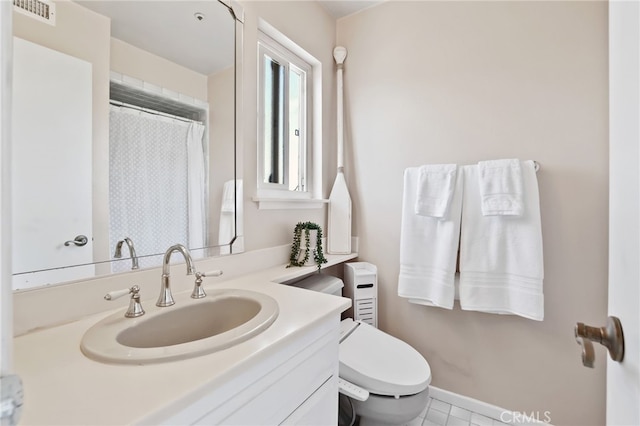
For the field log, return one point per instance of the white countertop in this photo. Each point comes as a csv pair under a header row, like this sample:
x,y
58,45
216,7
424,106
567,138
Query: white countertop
x,y
63,387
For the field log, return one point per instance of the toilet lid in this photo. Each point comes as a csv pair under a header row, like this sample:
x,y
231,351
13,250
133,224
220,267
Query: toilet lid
x,y
382,364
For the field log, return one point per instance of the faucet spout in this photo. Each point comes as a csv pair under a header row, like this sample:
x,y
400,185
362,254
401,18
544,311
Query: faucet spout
x,y
132,252
166,298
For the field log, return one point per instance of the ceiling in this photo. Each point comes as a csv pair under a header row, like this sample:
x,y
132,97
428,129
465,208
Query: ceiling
x,y
171,30
144,24
341,8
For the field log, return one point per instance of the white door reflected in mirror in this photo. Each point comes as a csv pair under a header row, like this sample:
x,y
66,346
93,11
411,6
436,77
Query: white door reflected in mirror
x,y
51,162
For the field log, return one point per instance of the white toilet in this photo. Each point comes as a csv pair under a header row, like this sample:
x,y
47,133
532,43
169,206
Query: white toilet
x,y
395,375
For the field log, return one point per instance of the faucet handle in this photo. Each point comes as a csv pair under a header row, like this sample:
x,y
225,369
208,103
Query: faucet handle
x,y
214,273
135,308
198,291
117,294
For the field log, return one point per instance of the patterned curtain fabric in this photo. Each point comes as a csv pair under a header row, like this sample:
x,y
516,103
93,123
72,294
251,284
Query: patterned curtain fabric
x,y
196,182
149,194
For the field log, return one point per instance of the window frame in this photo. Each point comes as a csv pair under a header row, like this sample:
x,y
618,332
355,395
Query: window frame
x,y
282,50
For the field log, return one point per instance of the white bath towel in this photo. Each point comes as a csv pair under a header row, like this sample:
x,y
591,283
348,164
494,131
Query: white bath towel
x,y
428,248
501,187
501,265
436,183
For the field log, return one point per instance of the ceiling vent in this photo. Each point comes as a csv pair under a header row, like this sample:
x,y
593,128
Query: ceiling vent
x,y
42,10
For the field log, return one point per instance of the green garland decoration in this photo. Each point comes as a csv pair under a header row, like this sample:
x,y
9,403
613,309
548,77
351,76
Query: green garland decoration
x,y
318,252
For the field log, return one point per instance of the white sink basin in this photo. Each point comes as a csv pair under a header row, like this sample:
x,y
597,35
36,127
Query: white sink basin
x,y
189,328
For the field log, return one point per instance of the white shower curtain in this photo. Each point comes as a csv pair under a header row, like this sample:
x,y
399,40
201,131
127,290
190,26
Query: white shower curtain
x,y
156,182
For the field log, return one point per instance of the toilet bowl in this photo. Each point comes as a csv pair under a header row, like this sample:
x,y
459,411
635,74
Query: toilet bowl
x,y
395,375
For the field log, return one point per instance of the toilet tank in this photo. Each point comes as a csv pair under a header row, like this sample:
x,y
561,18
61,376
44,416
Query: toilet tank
x,y
322,283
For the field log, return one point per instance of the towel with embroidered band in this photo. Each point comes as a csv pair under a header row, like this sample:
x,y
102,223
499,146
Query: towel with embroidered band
x,y
501,259
501,187
428,247
436,183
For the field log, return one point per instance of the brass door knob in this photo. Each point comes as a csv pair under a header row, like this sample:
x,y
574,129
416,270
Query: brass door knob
x,y
610,336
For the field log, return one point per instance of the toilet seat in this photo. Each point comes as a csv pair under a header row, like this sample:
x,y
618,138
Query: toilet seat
x,y
380,363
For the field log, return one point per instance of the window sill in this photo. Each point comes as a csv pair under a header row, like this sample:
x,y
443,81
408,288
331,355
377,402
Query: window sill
x,y
289,203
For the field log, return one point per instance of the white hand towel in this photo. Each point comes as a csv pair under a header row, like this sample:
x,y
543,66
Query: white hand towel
x,y
436,183
428,248
501,264
228,197
501,187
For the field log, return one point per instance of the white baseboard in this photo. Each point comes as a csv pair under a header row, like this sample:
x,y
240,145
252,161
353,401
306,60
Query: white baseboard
x,y
488,410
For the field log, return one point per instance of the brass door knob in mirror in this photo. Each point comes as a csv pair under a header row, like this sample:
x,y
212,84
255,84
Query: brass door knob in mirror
x,y
80,240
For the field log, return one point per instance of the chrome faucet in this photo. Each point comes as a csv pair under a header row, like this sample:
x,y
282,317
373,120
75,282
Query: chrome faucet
x,y
132,252
166,299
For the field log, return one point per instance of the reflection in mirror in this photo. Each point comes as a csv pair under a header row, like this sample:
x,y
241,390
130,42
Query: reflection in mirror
x,y
123,134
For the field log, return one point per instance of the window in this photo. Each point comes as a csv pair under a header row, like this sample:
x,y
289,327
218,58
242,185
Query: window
x,y
286,160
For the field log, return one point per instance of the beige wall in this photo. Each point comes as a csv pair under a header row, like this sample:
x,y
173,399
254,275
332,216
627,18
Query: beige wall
x,y
435,82
310,26
440,82
221,131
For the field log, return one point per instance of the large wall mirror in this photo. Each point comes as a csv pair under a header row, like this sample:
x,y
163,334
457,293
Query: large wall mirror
x,y
124,129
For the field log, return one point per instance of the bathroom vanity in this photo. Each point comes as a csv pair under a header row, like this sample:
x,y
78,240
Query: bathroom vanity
x,y
286,374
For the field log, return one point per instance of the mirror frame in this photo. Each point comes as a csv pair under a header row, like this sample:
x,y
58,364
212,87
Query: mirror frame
x,y
237,243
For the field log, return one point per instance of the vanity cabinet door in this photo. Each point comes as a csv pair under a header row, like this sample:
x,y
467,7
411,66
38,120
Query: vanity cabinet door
x,y
296,382
274,399
321,408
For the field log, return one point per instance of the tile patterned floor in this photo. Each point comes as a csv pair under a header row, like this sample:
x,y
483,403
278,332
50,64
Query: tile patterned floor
x,y
439,413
